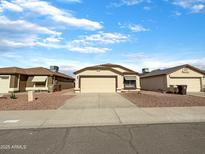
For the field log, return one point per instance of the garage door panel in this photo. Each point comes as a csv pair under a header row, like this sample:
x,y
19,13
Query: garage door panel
x,y
193,84
4,84
98,84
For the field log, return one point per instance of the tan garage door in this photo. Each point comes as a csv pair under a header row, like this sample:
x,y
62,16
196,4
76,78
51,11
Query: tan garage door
x,y
98,84
4,83
193,84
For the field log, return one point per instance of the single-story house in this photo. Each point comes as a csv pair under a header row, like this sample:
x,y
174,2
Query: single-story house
x,y
13,79
106,78
162,80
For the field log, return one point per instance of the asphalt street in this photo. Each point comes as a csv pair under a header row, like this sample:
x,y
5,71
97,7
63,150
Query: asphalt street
x,y
131,139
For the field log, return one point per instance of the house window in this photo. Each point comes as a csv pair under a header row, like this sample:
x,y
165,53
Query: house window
x,y
40,84
129,82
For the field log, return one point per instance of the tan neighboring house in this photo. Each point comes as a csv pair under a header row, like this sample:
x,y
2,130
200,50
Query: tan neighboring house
x,y
13,79
161,80
106,78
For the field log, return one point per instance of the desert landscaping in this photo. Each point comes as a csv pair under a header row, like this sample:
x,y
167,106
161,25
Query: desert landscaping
x,y
157,99
42,101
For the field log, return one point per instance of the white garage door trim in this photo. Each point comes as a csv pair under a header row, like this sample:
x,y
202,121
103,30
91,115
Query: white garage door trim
x,y
4,83
187,81
114,88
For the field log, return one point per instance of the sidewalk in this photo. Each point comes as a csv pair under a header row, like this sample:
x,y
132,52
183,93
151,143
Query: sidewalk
x,y
99,117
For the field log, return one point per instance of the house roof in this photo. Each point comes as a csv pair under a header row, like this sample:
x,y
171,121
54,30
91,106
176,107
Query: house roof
x,y
170,70
12,70
108,67
32,71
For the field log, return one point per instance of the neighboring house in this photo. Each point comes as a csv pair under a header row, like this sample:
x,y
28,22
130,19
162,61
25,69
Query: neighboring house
x,y
106,78
13,79
180,75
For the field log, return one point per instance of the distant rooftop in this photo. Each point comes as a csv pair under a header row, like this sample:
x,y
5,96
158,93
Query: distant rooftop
x,y
32,71
170,70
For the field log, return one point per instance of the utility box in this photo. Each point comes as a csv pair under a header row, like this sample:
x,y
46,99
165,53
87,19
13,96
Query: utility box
x,y
30,96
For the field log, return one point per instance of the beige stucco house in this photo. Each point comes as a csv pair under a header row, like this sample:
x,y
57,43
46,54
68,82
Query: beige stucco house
x,y
161,80
13,79
106,78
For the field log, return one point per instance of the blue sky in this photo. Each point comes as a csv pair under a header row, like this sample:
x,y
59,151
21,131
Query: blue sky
x,y
78,33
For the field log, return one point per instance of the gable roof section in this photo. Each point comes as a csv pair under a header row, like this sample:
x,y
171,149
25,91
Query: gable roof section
x,y
33,71
170,70
108,67
12,70
96,68
128,71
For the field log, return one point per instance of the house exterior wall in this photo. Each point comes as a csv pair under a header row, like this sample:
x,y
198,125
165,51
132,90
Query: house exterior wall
x,y
32,86
203,84
190,77
22,83
189,73
14,81
138,84
154,83
29,82
50,81
120,78
65,83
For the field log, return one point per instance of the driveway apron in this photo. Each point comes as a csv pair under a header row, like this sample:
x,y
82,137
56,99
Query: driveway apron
x,y
97,100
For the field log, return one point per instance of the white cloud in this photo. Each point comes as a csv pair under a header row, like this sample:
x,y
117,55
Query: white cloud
x,y
66,65
177,13
106,38
23,34
71,1
12,44
142,60
24,26
196,6
137,28
58,15
52,39
86,49
131,2
120,3
93,43
10,6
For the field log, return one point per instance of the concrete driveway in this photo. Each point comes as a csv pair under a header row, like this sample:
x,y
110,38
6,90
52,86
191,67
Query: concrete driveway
x,y
97,100
200,94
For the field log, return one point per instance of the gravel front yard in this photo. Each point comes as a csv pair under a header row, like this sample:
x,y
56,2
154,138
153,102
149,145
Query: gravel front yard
x,y
43,101
156,99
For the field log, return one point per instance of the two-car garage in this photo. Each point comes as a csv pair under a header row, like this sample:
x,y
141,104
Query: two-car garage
x,y
95,84
187,75
193,84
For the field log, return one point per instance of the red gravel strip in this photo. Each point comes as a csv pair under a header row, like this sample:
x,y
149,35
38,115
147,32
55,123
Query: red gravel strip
x,y
155,99
43,101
